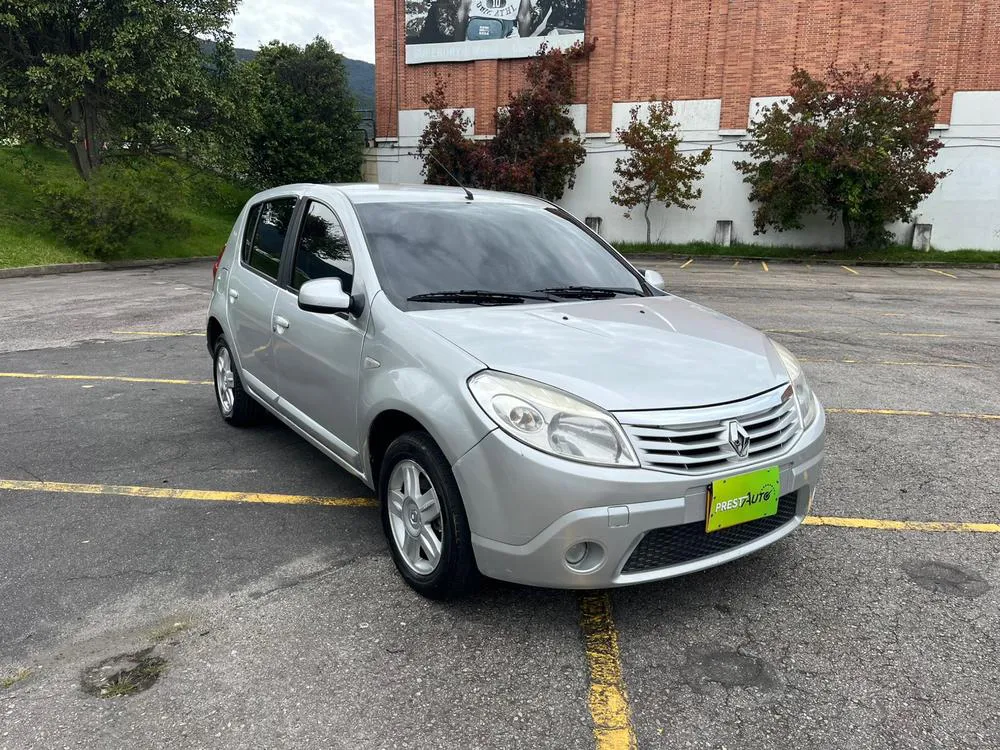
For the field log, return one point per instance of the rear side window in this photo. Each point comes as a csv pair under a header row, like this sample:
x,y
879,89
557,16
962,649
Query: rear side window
x,y
263,253
322,250
248,231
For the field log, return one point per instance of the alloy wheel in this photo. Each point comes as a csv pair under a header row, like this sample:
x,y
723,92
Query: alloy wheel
x,y
225,380
415,517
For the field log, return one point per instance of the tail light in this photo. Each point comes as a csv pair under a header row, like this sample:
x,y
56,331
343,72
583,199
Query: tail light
x,y
215,266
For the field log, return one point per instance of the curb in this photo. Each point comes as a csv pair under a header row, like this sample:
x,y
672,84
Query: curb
x,y
115,265
634,258
120,265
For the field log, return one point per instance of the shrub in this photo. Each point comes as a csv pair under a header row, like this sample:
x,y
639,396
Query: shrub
x,y
122,201
536,149
856,144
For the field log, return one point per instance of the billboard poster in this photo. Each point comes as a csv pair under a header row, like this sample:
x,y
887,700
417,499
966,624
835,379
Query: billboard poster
x,y
459,30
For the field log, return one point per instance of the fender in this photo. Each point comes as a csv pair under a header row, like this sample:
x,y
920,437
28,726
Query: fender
x,y
409,380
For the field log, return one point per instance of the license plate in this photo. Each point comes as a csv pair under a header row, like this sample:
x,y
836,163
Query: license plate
x,y
742,498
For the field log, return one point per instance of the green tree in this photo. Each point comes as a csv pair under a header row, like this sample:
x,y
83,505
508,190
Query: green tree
x,y
655,170
856,145
93,75
536,149
305,127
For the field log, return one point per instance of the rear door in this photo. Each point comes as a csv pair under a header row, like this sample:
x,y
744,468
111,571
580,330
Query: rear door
x,y
253,287
318,356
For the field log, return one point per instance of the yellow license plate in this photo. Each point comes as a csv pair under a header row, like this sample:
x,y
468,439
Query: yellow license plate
x,y
742,498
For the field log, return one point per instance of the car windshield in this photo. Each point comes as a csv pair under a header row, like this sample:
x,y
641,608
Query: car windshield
x,y
448,254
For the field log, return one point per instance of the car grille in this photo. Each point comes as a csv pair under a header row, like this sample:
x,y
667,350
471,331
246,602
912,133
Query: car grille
x,y
674,545
696,441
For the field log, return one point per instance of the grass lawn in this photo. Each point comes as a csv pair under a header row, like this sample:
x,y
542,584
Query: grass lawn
x,y
25,240
895,254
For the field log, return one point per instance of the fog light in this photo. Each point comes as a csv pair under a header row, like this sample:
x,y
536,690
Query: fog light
x,y
576,553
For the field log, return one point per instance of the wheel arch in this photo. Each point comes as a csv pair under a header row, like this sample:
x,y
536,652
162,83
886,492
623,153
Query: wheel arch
x,y
212,332
388,425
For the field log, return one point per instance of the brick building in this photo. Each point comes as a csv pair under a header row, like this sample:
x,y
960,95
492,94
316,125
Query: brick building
x,y
719,62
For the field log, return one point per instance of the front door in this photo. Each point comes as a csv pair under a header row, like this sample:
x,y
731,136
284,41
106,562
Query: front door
x,y
318,356
253,287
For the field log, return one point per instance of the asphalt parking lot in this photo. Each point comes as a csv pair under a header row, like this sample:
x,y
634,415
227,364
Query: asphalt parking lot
x,y
133,518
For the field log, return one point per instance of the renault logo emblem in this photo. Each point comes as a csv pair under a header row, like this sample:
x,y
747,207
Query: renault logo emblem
x,y
739,439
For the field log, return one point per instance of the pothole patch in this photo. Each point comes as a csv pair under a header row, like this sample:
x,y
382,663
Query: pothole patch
x,y
125,674
946,578
730,669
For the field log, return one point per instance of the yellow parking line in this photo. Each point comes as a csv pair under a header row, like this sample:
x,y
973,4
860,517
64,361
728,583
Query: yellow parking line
x,y
832,410
850,270
916,334
687,263
764,266
888,363
608,701
596,622
910,413
168,334
943,273
886,525
930,364
170,493
113,378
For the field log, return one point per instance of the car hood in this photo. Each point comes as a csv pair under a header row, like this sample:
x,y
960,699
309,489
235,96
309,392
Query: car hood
x,y
622,353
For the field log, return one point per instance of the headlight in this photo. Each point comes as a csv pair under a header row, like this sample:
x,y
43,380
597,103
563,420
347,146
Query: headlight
x,y
800,386
551,420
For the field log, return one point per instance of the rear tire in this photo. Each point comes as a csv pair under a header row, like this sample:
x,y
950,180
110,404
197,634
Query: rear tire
x,y
424,519
237,406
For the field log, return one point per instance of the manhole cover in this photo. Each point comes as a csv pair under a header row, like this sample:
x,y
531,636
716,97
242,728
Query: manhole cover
x,y
125,674
945,578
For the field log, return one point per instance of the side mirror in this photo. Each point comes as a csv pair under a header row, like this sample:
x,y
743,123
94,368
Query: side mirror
x,y
324,296
654,279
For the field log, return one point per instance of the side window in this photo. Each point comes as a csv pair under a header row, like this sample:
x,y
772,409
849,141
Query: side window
x,y
248,231
269,236
322,250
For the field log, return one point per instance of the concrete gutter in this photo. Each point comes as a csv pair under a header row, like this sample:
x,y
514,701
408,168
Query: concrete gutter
x,y
115,265
639,258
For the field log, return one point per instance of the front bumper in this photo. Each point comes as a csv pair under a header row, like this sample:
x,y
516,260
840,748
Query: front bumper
x,y
511,491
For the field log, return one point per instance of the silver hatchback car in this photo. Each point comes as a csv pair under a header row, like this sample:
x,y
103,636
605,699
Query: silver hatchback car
x,y
526,404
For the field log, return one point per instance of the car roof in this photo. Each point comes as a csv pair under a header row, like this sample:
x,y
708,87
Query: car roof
x,y
365,192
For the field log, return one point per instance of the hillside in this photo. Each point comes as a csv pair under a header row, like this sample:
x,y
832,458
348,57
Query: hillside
x,y
360,74
205,212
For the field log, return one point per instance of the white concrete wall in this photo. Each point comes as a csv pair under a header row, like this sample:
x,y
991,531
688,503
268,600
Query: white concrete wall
x,y
964,210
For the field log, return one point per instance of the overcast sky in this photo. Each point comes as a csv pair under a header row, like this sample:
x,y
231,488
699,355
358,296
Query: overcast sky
x,y
349,25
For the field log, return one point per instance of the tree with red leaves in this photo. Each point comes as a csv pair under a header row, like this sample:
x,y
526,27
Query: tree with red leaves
x,y
536,149
655,169
856,145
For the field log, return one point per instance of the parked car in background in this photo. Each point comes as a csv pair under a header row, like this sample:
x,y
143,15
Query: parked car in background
x,y
526,404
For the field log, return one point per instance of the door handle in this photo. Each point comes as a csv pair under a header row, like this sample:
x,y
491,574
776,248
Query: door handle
x,y
280,324
233,295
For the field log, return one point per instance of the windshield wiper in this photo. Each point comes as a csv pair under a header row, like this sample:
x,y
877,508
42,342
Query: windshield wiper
x,y
597,292
479,297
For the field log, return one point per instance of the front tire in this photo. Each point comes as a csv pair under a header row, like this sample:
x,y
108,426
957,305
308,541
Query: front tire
x,y
235,404
424,519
